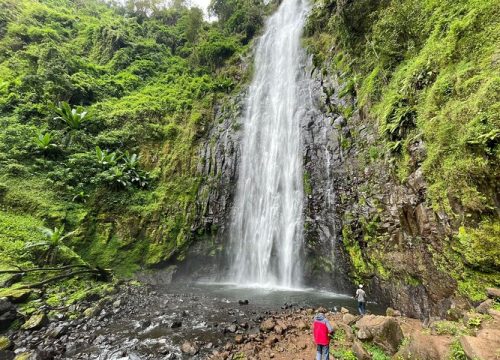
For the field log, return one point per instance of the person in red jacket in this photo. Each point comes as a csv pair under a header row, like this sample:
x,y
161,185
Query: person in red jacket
x,y
322,330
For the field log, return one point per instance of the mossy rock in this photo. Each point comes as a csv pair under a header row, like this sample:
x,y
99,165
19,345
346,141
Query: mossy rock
x,y
16,295
92,311
5,343
35,322
23,356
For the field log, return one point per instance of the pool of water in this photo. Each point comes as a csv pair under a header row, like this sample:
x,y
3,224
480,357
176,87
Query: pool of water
x,y
274,298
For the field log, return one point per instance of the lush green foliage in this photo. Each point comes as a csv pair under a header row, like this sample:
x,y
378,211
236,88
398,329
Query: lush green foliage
x,y
428,71
102,108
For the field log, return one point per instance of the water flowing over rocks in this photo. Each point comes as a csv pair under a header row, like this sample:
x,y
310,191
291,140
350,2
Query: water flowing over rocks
x,y
266,222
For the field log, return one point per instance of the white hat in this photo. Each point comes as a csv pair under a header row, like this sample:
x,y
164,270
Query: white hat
x,y
360,286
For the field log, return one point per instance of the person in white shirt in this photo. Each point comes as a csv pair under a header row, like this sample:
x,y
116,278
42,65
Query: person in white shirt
x,y
360,296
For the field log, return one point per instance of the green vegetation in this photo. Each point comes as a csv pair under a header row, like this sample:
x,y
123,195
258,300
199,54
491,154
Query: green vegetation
x,y
456,351
427,71
103,109
376,352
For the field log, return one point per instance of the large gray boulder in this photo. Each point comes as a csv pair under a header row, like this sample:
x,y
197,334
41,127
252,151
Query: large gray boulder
x,y
425,347
8,314
382,330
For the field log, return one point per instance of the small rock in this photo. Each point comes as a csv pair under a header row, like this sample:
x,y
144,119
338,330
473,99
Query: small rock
x,y
302,325
243,302
273,339
58,331
91,311
35,322
117,304
238,339
231,329
267,325
485,306
493,292
343,310
176,324
188,348
279,330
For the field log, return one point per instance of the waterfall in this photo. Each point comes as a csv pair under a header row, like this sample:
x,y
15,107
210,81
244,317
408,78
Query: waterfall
x,y
266,228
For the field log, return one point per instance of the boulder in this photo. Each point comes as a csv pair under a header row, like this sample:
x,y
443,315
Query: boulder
x,y
5,343
359,351
267,325
485,306
92,311
425,347
391,312
493,292
349,319
343,310
484,346
35,322
189,348
384,331
16,295
23,356
8,314
11,280
7,355
494,313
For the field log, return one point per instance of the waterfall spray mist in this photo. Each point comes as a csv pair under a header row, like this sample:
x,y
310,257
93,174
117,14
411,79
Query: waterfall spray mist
x,y
266,230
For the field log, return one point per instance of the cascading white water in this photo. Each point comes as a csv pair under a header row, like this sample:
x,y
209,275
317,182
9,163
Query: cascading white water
x,y
266,229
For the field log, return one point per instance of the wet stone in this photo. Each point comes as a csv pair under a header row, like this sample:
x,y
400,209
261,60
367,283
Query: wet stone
x,y
176,324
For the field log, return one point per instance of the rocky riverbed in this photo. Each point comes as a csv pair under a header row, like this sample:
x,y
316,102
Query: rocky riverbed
x,y
144,322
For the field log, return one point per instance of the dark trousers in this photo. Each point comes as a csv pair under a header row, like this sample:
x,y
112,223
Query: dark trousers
x,y
323,352
362,307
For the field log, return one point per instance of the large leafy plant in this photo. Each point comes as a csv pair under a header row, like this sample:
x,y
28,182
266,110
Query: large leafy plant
x,y
52,245
44,141
72,117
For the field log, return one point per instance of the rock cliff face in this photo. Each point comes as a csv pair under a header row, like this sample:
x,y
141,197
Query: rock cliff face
x,y
218,166
360,224
382,233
